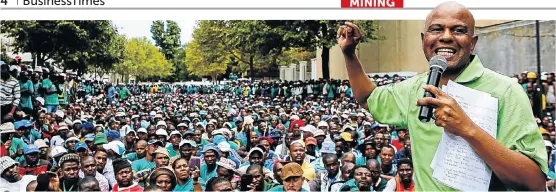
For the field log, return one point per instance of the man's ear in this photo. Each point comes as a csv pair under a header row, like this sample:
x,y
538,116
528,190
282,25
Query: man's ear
x,y
474,42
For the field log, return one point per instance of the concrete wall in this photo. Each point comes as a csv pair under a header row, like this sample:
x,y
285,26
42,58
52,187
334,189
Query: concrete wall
x,y
511,47
401,51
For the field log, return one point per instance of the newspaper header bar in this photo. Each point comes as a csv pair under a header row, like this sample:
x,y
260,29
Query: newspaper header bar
x,y
260,4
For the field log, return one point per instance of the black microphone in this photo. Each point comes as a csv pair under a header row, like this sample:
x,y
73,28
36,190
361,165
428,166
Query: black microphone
x,y
437,66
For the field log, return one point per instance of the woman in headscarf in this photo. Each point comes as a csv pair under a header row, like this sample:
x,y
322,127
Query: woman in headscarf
x,y
164,177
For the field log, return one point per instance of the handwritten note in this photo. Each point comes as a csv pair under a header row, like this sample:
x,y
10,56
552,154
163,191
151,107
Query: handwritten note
x,y
455,164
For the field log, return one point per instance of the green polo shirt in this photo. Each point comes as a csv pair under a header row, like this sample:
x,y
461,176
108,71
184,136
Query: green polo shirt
x,y
517,128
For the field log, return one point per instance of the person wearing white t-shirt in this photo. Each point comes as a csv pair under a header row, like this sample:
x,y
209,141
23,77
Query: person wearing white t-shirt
x,y
10,179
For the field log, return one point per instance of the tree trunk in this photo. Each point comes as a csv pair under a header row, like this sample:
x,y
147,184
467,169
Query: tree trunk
x,y
325,62
251,73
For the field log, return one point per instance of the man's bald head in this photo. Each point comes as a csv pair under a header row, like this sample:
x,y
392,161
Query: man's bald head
x,y
142,143
450,32
348,157
451,8
372,163
87,159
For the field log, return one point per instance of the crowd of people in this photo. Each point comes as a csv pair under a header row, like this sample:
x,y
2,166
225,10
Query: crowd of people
x,y
61,133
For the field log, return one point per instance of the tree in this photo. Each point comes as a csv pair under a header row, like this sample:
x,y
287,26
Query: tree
x,y
144,60
206,55
166,35
203,63
75,44
313,34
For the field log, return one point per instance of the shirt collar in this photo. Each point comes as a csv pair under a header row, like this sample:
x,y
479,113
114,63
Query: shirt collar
x,y
472,72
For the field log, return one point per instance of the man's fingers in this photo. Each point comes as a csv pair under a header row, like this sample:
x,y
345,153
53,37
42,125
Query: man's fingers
x,y
434,102
434,90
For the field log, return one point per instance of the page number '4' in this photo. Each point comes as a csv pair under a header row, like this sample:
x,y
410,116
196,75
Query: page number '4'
x,y
5,2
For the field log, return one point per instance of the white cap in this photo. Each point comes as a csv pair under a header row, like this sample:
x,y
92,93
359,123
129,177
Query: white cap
x,y
77,121
40,100
175,133
216,132
309,128
112,146
60,113
225,131
548,144
161,123
224,146
322,124
161,132
57,151
142,130
255,149
134,116
190,142
318,132
62,126
182,125
120,114
294,117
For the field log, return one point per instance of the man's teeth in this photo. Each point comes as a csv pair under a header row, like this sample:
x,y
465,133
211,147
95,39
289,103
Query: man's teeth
x,y
445,52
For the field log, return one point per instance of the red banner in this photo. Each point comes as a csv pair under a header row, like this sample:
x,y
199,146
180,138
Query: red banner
x,y
372,3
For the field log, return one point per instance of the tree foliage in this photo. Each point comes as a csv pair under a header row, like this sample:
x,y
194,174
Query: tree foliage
x,y
206,56
75,44
166,35
144,60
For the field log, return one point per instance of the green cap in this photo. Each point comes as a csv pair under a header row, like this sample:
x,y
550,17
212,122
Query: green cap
x,y
100,138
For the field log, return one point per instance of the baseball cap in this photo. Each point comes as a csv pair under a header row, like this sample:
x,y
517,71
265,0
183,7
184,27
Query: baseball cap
x,y
346,136
210,147
22,124
7,128
31,149
175,133
142,130
311,140
80,145
40,143
189,132
90,137
328,147
71,139
100,138
6,162
224,146
322,124
347,127
161,132
318,133
255,149
113,134
58,151
192,143
291,170
156,142
163,151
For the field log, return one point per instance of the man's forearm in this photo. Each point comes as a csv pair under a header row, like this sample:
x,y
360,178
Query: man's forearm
x,y
361,85
514,169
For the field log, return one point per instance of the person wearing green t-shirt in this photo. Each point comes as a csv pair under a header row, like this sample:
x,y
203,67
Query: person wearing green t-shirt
x,y
51,94
124,93
26,90
517,156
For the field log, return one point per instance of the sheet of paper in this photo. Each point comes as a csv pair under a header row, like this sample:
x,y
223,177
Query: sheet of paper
x,y
455,164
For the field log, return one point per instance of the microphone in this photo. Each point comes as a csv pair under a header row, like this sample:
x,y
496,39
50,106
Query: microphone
x,y
438,65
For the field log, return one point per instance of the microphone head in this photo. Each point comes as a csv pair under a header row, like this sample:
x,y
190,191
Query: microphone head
x,y
438,61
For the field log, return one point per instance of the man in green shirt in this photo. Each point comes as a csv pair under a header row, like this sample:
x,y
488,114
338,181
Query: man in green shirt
x,y
51,98
516,157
